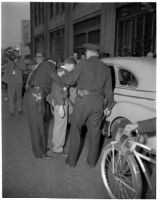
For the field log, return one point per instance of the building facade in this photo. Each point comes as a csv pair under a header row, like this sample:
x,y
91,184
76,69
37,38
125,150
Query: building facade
x,y
120,29
25,37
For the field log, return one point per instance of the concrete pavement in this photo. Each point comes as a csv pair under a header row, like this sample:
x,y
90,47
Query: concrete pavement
x,y
25,176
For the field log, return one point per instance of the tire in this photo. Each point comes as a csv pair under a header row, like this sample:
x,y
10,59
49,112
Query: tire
x,y
118,124
124,184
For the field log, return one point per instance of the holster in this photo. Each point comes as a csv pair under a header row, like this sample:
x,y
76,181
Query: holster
x,y
81,93
38,95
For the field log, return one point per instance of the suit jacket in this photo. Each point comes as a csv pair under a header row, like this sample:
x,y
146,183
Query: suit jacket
x,y
56,93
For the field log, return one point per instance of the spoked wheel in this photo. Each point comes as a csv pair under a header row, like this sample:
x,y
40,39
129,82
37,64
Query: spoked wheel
x,y
120,172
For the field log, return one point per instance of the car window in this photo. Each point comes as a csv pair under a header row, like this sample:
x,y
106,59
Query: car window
x,y
126,78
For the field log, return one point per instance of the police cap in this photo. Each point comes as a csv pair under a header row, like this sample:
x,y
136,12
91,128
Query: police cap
x,y
90,46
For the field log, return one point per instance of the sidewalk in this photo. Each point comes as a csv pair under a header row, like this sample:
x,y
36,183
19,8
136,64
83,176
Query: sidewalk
x,y
24,176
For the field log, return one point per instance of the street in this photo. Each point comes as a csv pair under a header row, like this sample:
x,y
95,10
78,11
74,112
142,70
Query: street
x,y
25,176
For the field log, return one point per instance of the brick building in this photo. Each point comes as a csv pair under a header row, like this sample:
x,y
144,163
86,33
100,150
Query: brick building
x,y
58,29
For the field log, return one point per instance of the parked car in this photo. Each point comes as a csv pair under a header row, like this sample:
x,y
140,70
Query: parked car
x,y
134,84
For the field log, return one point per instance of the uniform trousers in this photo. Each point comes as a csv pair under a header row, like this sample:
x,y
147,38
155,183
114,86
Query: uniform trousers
x,y
87,110
14,90
59,130
35,113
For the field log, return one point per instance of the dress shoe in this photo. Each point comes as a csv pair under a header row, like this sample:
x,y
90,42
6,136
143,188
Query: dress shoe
x,y
47,157
47,149
70,165
60,153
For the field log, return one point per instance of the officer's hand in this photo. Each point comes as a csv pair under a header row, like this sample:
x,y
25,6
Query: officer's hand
x,y
60,74
107,112
61,112
52,103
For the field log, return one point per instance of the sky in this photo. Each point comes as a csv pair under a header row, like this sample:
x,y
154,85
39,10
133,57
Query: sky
x,y
11,15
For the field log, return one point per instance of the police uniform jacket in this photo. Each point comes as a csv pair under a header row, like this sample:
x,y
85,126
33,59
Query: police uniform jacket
x,y
92,75
44,76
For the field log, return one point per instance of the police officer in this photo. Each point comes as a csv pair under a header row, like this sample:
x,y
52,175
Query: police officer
x,y
93,79
35,100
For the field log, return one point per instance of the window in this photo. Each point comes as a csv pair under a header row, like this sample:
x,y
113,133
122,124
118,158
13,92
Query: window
x,y
57,44
57,8
62,7
135,29
38,13
86,24
35,14
79,39
126,78
51,10
42,12
94,37
75,5
86,31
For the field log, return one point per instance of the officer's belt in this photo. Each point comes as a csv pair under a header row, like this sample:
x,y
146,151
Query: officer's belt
x,y
81,92
35,87
39,89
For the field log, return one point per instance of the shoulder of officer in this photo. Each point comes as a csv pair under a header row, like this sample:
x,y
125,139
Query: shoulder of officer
x,y
47,63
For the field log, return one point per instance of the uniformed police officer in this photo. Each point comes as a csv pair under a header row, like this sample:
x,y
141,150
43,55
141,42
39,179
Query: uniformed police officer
x,y
35,98
93,79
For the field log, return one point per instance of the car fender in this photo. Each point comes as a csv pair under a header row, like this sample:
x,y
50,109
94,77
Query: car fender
x,y
132,111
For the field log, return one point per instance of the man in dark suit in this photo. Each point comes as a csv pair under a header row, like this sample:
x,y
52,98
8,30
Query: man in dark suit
x,y
35,101
93,80
13,77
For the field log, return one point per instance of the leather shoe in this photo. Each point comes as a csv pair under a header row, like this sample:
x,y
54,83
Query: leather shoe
x,y
46,157
70,165
60,153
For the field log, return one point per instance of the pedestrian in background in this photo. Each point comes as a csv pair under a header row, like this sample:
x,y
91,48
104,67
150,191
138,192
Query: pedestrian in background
x,y
93,80
75,55
35,101
59,62
83,57
13,68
